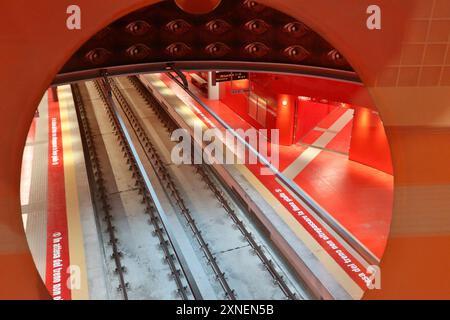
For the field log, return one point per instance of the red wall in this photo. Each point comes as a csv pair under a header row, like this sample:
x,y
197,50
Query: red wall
x,y
309,116
275,88
369,144
328,89
239,104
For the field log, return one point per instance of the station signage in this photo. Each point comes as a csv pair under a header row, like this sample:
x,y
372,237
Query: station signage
x,y
230,76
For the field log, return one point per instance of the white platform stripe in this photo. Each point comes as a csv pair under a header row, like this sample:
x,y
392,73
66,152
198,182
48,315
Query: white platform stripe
x,y
299,164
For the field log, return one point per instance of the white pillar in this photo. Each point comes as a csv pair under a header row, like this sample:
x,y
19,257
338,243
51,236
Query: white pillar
x,y
213,88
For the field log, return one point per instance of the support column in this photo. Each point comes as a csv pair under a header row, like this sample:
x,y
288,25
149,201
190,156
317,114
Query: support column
x,y
213,87
285,118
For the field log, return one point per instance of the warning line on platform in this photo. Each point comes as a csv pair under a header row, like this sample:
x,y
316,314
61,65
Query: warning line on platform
x,y
58,261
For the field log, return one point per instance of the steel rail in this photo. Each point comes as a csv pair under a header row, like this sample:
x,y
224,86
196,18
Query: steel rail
x,y
268,263
168,183
203,172
94,170
151,204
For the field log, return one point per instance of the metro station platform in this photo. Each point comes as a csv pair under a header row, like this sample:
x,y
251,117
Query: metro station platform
x,y
359,93
56,204
69,243
357,196
67,239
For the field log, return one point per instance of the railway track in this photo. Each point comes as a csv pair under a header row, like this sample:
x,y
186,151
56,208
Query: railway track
x,y
124,120
95,169
207,176
171,188
96,175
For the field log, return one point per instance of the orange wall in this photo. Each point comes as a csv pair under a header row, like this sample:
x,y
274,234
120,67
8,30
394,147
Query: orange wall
x,y
416,115
369,144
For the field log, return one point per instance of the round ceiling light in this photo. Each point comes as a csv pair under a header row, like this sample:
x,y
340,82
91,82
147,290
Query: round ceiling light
x,y
198,6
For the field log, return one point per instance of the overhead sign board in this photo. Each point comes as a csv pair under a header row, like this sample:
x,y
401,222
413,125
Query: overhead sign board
x,y
229,76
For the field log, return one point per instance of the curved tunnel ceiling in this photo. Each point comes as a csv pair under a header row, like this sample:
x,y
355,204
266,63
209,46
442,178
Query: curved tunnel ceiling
x,y
237,30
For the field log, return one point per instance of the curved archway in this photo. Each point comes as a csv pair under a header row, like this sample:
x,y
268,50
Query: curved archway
x,y
372,55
